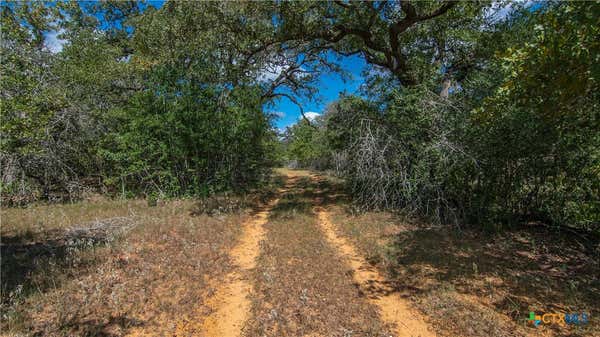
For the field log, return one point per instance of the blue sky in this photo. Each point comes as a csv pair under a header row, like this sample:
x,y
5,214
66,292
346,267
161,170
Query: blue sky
x,y
330,86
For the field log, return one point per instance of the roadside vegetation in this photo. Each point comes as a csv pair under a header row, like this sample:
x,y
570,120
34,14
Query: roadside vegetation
x,y
473,282
138,142
122,266
481,119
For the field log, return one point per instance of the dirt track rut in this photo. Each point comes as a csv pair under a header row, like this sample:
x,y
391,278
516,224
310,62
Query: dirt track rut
x,y
393,309
232,302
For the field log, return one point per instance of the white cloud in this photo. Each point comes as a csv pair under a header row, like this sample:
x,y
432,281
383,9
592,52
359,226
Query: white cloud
x,y
53,42
272,70
378,71
500,10
270,73
311,115
278,114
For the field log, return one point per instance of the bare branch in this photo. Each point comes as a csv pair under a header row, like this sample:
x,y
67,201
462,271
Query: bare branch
x,y
295,101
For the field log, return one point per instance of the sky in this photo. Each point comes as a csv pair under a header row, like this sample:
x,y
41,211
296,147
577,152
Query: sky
x,y
330,86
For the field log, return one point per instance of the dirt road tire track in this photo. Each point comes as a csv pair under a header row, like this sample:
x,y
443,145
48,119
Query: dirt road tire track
x,y
231,302
393,309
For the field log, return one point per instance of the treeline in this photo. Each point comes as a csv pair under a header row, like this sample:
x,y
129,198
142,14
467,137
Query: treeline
x,y
514,138
472,111
138,101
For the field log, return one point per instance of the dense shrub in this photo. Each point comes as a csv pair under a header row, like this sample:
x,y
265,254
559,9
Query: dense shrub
x,y
191,142
407,156
516,140
431,157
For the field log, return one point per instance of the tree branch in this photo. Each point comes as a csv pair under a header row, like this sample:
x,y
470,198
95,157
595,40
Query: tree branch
x,y
411,17
295,101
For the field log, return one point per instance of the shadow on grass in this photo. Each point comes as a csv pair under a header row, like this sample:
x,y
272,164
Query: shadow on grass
x,y
111,327
471,275
305,192
536,267
529,269
33,263
292,204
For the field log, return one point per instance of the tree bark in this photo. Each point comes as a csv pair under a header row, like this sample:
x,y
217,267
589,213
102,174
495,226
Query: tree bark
x,y
446,84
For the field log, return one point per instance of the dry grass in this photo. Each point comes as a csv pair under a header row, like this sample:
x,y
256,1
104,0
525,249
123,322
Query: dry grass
x,y
302,286
476,283
36,219
113,267
150,279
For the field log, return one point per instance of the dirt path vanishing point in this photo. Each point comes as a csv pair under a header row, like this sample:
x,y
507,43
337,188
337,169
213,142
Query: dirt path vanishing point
x,y
393,309
301,285
231,303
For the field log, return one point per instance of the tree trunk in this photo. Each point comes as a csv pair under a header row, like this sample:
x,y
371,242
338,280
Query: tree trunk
x,y
446,83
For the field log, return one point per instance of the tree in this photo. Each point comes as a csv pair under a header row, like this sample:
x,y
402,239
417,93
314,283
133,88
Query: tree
x,y
31,100
128,103
536,134
517,141
411,40
305,144
198,123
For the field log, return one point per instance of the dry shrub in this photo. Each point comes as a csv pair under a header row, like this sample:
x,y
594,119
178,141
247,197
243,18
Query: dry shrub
x,y
222,204
408,160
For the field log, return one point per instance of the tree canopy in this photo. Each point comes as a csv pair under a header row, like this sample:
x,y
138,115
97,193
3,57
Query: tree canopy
x,y
474,111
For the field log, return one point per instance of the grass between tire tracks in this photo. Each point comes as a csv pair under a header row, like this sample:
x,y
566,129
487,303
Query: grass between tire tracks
x,y
302,286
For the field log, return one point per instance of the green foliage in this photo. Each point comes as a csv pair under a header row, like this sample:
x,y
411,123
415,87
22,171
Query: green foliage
x,y
516,142
466,117
177,142
152,199
306,144
127,103
405,155
343,119
32,98
537,135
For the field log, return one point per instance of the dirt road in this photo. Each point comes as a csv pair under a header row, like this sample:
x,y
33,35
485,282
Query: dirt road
x,y
295,276
231,302
293,259
283,269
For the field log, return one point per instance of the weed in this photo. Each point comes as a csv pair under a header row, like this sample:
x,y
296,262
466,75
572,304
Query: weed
x,y
302,287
